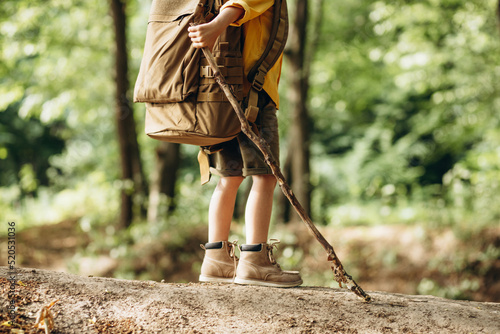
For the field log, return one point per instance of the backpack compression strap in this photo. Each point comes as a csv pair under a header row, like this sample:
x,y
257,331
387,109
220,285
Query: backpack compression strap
x,y
272,52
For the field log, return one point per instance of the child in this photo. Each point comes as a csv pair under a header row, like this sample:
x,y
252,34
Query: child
x,y
240,158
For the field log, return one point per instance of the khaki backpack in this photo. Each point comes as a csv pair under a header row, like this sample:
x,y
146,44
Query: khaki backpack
x,y
184,103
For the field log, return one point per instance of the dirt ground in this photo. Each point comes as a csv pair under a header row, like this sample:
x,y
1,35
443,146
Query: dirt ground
x,y
107,305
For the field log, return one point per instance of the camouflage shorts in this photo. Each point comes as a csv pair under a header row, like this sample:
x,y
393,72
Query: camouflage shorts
x,y
240,156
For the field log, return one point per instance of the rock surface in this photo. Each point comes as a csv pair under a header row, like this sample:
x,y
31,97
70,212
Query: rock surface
x,y
95,304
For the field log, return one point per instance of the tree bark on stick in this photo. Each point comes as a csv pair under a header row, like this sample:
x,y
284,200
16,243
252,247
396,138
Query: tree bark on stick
x,y
339,272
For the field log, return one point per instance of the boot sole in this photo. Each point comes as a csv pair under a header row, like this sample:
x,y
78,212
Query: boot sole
x,y
211,279
267,283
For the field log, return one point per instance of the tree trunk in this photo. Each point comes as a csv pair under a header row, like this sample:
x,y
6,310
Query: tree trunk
x,y
131,167
163,180
498,14
299,131
283,204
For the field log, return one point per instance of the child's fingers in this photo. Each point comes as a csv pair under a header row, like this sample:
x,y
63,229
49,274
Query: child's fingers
x,y
198,42
200,36
196,28
195,39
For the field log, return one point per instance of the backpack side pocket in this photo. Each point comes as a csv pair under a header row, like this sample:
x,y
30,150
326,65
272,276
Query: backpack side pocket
x,y
169,69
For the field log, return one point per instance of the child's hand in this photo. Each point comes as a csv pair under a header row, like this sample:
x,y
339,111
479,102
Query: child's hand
x,y
205,35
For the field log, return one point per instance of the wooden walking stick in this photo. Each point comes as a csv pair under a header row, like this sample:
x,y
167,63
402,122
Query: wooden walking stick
x,y
339,272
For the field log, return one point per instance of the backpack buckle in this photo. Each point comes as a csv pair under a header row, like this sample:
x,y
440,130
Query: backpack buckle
x,y
258,80
206,72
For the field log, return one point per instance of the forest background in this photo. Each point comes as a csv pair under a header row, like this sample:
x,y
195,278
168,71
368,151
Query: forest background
x,y
390,137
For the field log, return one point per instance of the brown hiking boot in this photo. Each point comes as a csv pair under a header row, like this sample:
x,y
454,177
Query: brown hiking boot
x,y
219,264
257,266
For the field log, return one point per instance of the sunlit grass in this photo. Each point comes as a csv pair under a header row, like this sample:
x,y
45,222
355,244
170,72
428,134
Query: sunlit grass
x,y
91,199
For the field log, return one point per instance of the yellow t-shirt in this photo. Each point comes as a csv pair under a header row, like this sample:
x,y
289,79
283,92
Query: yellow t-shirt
x,y
257,22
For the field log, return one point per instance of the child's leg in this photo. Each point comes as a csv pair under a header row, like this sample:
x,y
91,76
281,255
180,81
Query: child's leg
x,y
259,208
257,265
220,261
220,212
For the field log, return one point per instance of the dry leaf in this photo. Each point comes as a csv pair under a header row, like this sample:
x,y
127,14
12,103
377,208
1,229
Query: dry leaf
x,y
44,319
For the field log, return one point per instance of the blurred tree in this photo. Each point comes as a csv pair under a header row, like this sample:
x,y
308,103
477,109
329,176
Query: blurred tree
x,y
297,171
300,52
163,179
127,136
498,13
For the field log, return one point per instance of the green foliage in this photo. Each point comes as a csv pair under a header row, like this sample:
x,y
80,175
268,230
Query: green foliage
x,y
57,102
26,146
403,93
474,182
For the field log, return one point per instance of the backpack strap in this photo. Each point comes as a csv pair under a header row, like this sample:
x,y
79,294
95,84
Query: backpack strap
x,y
272,52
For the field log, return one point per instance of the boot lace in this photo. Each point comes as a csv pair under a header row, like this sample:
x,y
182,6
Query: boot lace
x,y
273,243
232,253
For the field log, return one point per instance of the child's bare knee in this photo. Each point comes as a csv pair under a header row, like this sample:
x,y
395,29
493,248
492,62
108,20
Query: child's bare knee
x,y
268,180
230,182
